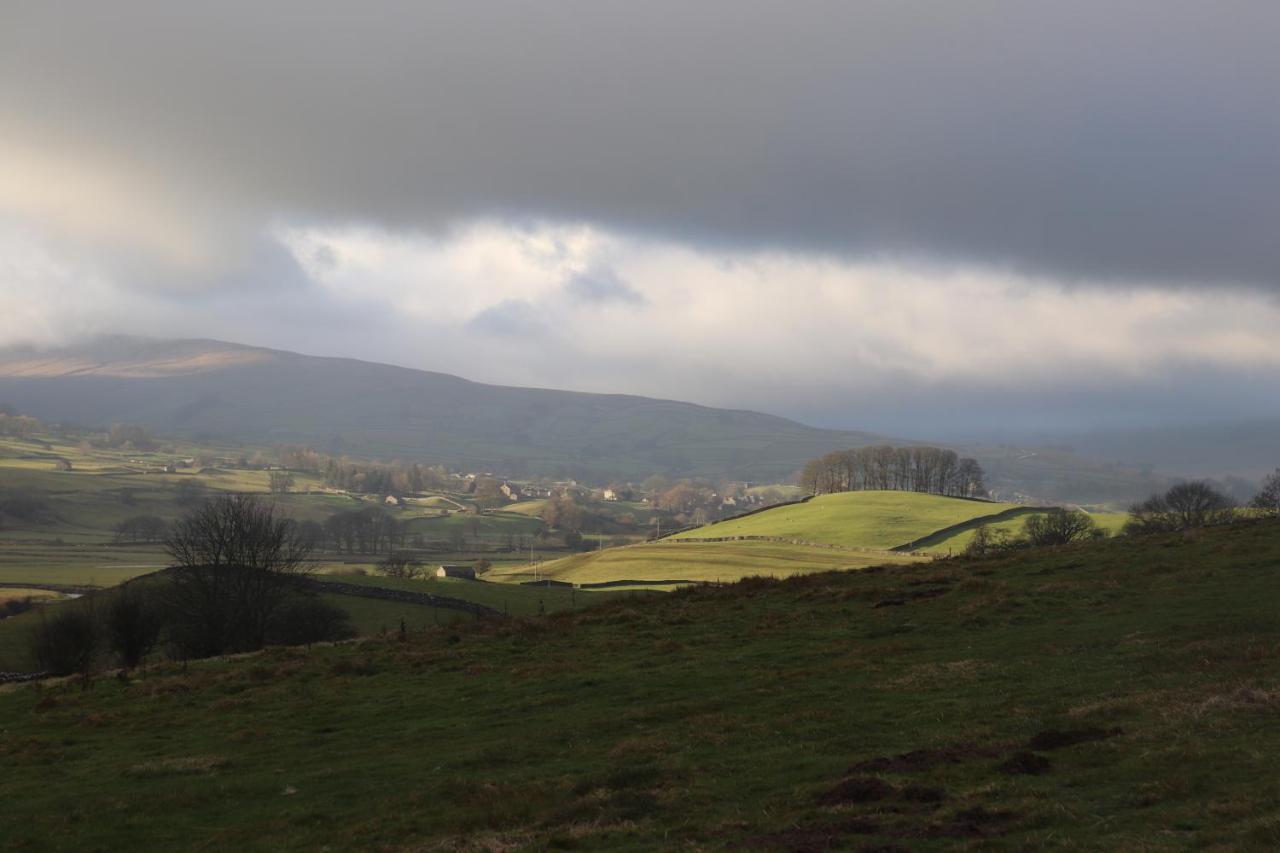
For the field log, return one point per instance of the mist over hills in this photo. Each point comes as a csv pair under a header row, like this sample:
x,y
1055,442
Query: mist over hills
x,y
212,389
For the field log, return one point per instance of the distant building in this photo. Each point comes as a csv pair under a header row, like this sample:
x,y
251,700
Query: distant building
x,y
511,491
609,495
391,500
464,572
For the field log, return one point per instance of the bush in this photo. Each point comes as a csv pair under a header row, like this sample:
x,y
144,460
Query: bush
x,y
987,540
396,566
14,606
66,642
132,622
1185,506
1059,527
305,620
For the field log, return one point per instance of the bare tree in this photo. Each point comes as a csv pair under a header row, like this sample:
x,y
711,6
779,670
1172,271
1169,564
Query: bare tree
x,y
1183,507
235,564
1268,497
1059,527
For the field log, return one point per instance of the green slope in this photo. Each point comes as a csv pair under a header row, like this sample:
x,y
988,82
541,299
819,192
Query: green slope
x,y
698,561
879,520
1114,696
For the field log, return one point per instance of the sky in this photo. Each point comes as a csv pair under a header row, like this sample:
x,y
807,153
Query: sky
x,y
934,220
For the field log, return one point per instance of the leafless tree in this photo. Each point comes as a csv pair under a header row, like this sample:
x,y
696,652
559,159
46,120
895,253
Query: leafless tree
x,y
1059,527
1268,497
1183,507
235,564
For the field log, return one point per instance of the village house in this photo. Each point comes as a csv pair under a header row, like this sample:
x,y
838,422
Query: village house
x,y
511,491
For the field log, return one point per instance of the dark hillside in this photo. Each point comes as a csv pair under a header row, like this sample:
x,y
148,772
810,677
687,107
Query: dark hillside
x,y
209,389
1108,696
196,388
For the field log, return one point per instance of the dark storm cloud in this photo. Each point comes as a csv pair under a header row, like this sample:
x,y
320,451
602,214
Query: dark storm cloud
x,y
1116,140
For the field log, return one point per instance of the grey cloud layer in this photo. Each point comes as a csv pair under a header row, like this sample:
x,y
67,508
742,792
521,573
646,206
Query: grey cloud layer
x,y
1117,140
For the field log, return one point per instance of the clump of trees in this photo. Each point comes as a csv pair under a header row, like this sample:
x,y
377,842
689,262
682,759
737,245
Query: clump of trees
x,y
563,513
129,437
14,425
932,470
1059,527
371,530
1039,530
400,566
1183,507
236,585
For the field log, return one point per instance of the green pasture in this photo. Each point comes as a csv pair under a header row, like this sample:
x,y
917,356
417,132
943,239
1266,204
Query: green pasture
x,y
1117,695
1110,522
877,520
700,561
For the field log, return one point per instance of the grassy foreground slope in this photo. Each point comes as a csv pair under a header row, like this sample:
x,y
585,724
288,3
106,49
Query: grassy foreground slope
x,y
1114,695
697,561
872,519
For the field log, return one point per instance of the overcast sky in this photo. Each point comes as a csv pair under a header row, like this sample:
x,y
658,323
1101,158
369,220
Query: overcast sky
x,y
927,218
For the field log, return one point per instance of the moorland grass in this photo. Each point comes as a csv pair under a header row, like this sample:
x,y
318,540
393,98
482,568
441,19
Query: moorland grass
x,y
1116,695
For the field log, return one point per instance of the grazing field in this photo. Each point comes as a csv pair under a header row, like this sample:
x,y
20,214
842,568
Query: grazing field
x,y
698,561
508,598
1116,695
955,542
878,520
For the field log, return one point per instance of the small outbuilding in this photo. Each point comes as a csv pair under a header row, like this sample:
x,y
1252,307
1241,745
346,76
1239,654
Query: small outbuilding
x,y
463,572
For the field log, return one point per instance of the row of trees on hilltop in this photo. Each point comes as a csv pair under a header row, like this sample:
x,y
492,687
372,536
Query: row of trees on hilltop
x,y
932,470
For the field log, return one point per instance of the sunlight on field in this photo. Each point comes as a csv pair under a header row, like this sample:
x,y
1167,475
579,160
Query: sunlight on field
x,y
879,520
707,561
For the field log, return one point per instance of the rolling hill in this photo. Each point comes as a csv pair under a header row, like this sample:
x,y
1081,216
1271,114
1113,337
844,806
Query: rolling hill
x,y
870,519
209,388
1116,695
203,389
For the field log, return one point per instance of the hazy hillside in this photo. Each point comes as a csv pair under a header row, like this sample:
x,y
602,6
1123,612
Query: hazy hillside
x,y
200,388
226,390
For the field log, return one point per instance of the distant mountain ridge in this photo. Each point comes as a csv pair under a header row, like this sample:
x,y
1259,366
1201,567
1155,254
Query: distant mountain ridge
x,y
212,389
217,389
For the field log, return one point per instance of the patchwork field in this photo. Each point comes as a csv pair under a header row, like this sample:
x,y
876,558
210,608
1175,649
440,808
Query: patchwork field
x,y
1117,695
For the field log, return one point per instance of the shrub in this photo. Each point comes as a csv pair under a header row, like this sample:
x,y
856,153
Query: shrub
x,y
987,540
14,606
132,622
305,620
1059,527
66,642
396,566
1185,506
